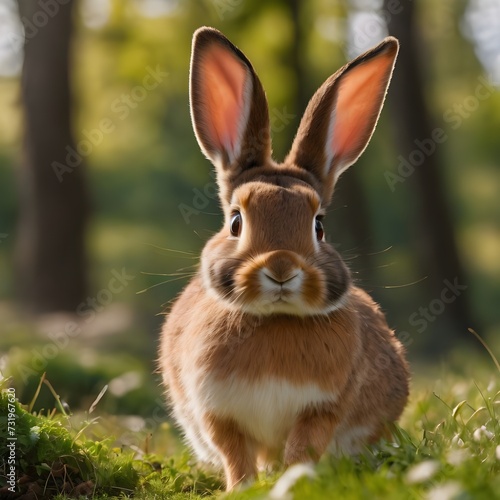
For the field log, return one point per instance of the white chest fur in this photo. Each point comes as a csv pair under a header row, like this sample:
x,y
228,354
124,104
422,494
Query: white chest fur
x,y
265,409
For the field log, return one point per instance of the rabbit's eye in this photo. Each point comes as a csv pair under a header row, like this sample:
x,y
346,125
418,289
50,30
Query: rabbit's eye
x,y
235,224
320,232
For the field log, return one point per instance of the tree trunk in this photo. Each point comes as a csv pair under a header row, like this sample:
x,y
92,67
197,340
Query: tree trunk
x,y
439,259
51,261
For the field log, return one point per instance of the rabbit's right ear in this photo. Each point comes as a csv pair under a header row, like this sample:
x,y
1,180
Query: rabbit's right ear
x,y
228,104
341,117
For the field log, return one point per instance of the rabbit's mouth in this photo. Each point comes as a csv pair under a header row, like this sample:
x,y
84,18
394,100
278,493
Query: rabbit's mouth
x,y
287,286
278,282
292,306
281,282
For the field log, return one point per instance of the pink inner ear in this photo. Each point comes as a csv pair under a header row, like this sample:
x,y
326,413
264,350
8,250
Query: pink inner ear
x,y
358,104
222,92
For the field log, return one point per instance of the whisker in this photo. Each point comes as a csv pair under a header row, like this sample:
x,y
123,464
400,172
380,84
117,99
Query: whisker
x,y
349,258
187,267
170,250
168,274
161,283
332,209
381,266
381,251
405,284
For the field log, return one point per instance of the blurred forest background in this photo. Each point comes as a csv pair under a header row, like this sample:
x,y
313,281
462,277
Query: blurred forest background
x,y
106,200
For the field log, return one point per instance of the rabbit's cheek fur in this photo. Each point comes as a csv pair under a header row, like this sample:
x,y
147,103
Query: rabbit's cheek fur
x,y
220,261
279,282
335,277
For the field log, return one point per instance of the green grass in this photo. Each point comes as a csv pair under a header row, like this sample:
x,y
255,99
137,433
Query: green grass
x,y
448,446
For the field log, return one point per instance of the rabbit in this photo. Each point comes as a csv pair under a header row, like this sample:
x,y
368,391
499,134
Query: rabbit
x,y
271,352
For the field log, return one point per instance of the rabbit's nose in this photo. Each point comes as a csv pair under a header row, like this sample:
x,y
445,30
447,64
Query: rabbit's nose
x,y
280,279
282,268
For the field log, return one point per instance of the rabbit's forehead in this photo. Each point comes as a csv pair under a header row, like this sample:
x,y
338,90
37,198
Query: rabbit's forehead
x,y
260,195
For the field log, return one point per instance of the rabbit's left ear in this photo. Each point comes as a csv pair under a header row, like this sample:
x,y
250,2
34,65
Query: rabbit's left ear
x,y
341,117
228,105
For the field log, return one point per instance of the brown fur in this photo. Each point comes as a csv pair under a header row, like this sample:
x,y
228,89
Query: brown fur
x,y
275,305
238,450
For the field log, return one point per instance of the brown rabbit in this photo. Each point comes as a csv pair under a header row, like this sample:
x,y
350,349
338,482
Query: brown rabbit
x,y
271,351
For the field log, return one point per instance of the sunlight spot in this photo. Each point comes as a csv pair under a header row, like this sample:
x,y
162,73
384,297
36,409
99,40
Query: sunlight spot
x,y
125,383
456,457
156,8
422,472
11,40
491,386
95,13
482,247
445,491
135,423
481,23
